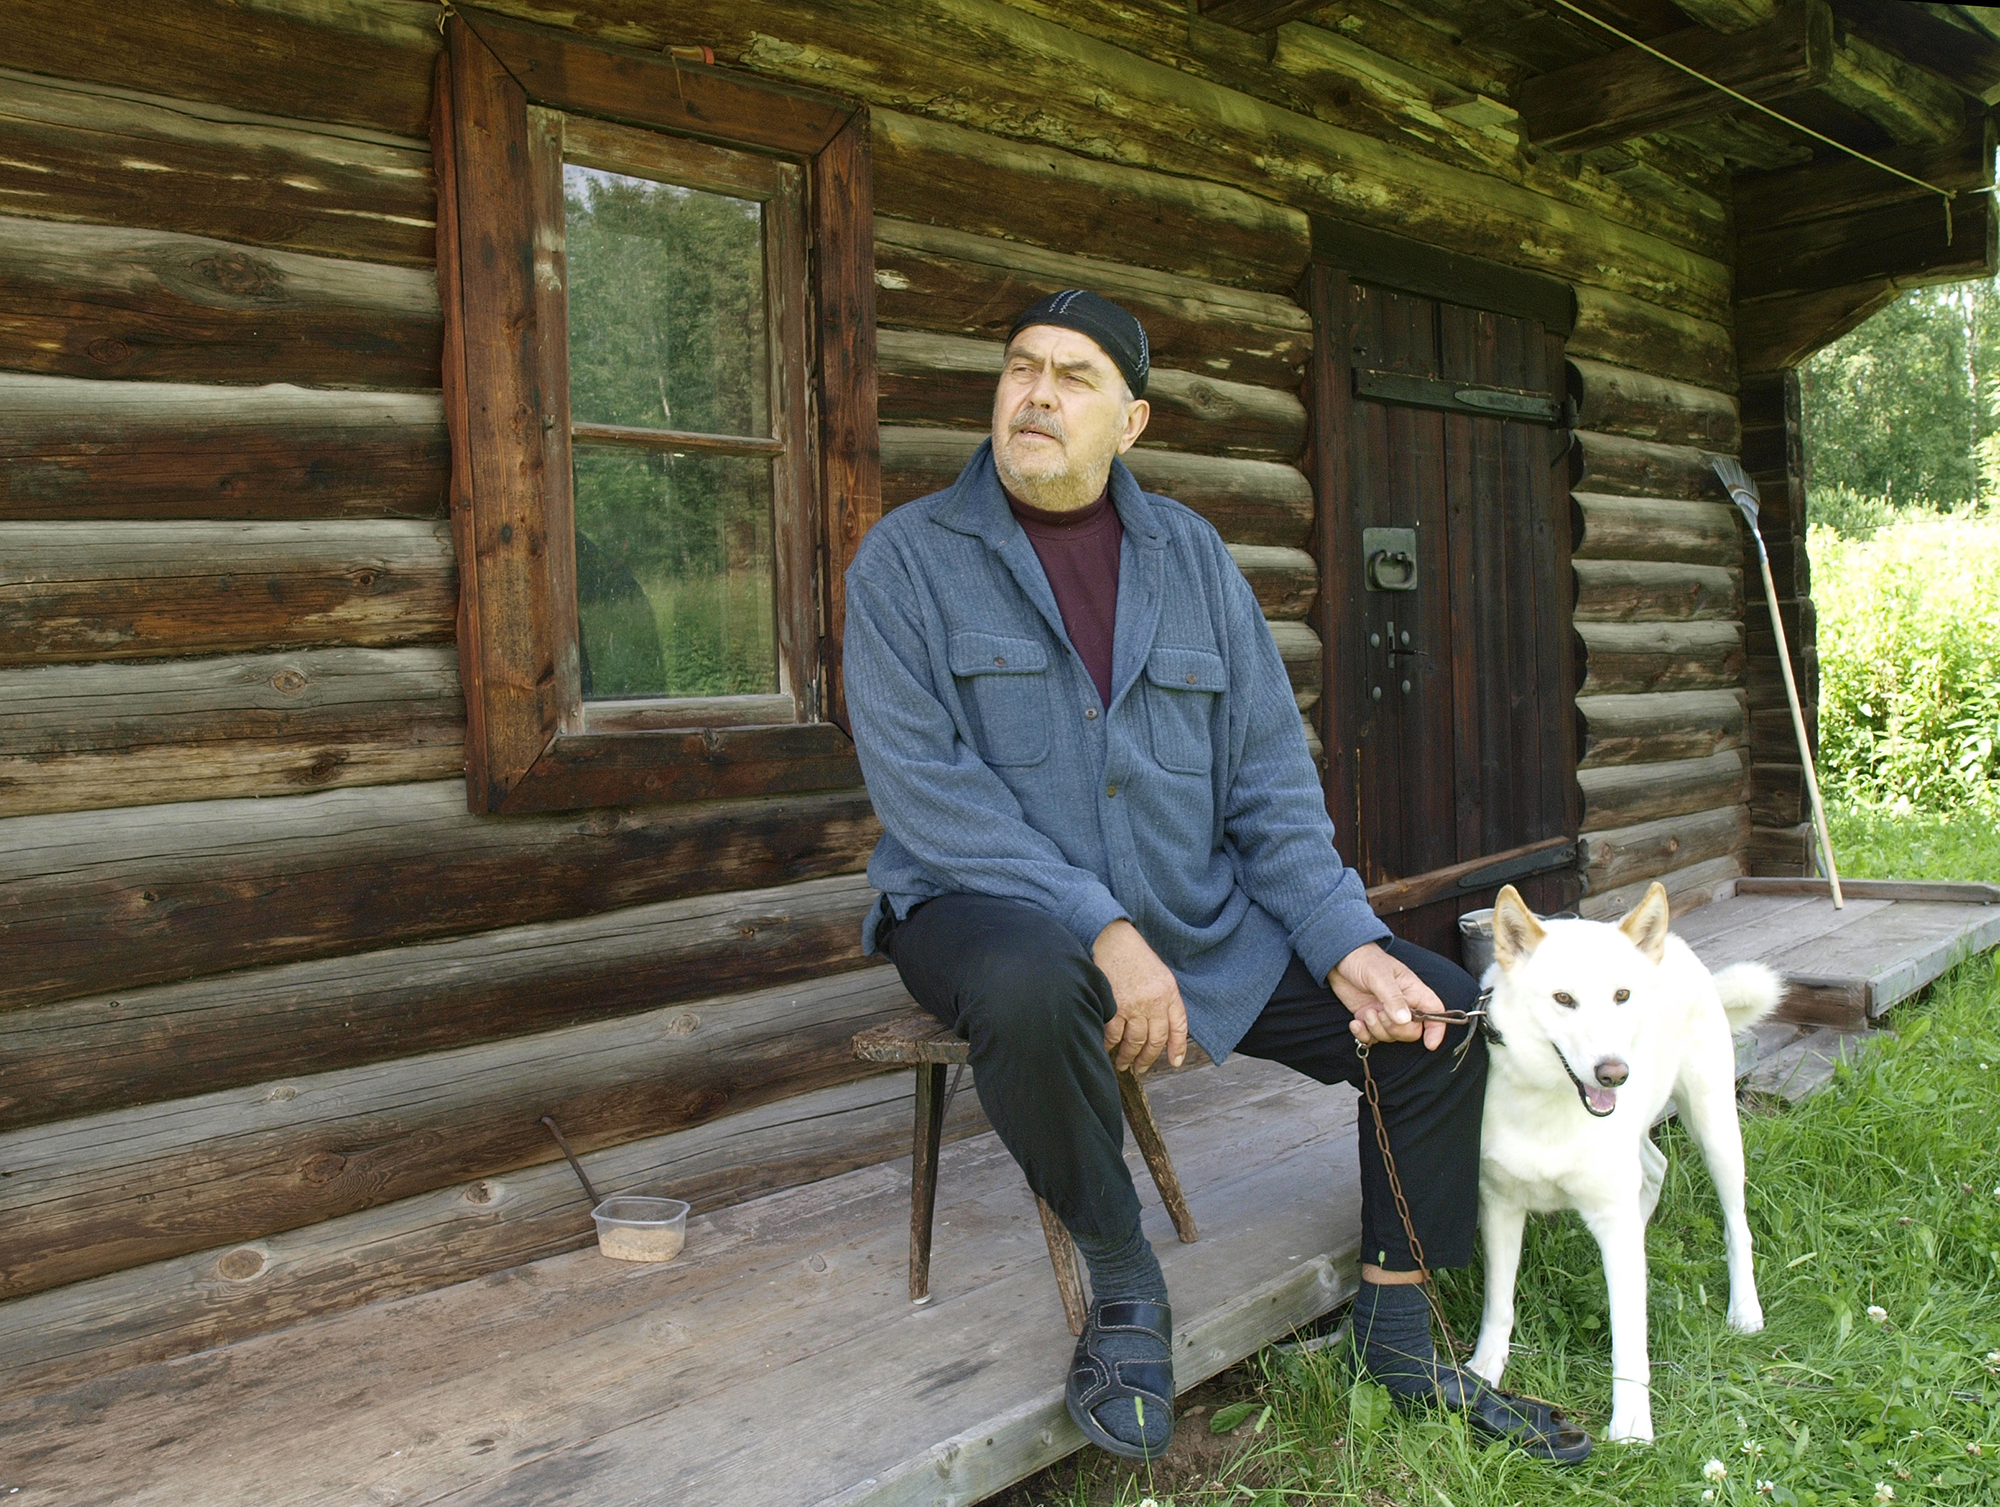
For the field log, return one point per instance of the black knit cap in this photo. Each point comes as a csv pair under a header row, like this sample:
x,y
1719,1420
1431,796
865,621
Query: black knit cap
x,y
1122,337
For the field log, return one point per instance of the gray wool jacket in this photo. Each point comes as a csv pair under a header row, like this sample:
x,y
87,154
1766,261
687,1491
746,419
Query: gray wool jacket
x,y
1189,806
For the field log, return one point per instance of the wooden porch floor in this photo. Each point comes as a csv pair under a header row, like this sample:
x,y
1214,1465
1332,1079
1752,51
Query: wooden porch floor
x,y
779,1361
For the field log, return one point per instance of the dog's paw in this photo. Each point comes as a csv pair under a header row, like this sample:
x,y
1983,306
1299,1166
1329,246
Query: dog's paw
x,y
1488,1363
1635,1427
1747,1318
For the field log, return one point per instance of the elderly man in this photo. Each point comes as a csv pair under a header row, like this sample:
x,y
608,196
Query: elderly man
x,y
1104,834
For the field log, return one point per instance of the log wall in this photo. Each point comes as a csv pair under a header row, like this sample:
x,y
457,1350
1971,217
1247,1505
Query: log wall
x,y
249,920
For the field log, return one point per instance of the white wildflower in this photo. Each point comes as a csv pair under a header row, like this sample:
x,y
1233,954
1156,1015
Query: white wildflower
x,y
1974,1450
1765,1488
1708,1495
1715,1470
1884,1492
1752,1448
1877,1314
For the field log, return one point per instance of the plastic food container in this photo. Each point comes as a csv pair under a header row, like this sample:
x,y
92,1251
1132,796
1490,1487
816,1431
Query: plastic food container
x,y
631,1228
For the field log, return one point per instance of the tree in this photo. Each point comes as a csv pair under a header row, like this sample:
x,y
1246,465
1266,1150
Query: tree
x,y
1901,406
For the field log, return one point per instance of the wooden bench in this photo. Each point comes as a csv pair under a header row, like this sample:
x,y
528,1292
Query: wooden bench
x,y
919,1041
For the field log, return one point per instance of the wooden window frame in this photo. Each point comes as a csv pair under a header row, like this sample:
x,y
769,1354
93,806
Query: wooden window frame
x,y
532,742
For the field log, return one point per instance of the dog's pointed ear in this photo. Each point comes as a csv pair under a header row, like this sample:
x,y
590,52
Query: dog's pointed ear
x,y
1516,932
1646,923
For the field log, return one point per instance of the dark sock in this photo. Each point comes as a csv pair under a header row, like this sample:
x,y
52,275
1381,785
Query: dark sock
x,y
1392,1334
1123,1267
1127,1268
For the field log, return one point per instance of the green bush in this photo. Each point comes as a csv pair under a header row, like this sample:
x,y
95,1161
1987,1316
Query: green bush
x,y
1909,653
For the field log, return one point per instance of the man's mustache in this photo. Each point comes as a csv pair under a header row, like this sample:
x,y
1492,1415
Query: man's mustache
x,y
1035,422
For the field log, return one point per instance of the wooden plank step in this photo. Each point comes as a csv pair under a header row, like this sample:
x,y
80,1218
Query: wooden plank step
x,y
1800,1070
1963,891
586,1381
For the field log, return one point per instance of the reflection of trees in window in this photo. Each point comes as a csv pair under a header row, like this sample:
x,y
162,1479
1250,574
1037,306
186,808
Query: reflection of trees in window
x,y
667,330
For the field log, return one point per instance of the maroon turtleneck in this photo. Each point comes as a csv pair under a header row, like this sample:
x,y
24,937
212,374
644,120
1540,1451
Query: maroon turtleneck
x,y
1079,555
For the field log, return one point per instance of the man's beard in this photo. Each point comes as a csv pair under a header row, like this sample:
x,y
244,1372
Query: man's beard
x,y
1060,487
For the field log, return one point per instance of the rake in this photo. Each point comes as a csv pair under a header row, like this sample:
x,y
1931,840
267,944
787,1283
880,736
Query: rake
x,y
1741,489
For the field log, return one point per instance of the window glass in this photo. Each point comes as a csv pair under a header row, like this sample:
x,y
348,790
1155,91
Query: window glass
x,y
674,573
667,326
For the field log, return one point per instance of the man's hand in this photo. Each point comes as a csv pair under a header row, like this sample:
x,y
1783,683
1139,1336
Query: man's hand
x,y
1381,994
1151,1017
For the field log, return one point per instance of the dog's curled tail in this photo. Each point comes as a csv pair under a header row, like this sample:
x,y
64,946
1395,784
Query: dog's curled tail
x,y
1749,991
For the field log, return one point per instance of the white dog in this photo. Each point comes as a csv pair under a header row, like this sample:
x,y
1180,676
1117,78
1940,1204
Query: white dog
x,y
1598,1027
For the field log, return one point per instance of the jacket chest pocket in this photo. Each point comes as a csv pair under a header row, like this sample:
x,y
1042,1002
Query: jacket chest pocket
x,y
1181,687
1004,683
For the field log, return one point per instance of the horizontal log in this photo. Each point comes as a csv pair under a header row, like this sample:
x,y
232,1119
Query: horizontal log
x,y
1627,794
1912,104
1778,794
948,379
148,305
117,590
1687,889
1647,528
361,62
1641,468
1639,405
453,1234
1622,854
1776,334
1782,850
100,1193
1248,501
1845,185
1358,76
1636,92
1656,591
1652,729
1966,56
76,152
1773,740
941,174
1630,332
1630,658
954,283
1046,79
1286,581
76,449
122,899
144,1046
86,737
1299,648
1911,242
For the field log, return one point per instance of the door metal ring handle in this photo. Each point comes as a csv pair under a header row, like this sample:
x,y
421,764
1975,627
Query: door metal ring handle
x,y
1392,570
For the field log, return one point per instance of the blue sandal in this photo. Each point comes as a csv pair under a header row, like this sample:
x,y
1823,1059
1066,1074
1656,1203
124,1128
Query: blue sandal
x,y
1095,1380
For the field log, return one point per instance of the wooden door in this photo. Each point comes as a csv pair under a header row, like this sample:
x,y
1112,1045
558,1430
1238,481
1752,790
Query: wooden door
x,y
1449,705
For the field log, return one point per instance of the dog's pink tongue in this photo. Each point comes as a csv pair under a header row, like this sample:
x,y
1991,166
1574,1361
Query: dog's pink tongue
x,y
1602,1100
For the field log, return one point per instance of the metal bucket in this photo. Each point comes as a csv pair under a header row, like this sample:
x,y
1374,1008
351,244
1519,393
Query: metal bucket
x,y
1475,941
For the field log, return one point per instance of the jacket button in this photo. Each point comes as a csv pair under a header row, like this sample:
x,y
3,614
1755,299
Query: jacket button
x,y
999,659
1090,714
1111,792
1190,678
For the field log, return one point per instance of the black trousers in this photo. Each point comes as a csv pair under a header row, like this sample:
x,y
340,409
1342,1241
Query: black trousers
x,y
1011,981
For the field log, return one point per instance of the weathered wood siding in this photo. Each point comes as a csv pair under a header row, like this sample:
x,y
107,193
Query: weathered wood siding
x,y
274,997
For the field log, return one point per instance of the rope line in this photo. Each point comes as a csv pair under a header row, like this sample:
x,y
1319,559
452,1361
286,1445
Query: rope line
x,y
1946,194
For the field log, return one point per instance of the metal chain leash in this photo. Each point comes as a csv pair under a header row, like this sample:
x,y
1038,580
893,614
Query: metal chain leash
x,y
1429,1281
